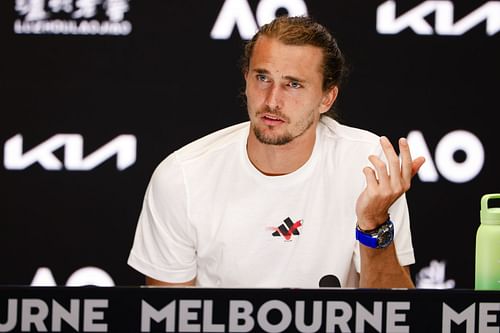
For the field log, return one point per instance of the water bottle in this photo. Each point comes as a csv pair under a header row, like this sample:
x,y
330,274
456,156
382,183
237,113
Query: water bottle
x,y
488,246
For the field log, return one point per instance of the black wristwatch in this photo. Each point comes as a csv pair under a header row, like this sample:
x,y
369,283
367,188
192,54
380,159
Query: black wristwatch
x,y
378,238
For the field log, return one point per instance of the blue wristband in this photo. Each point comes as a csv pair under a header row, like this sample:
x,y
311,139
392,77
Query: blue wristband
x,y
378,238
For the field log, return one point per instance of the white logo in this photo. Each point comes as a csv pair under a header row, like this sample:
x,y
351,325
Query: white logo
x,y
237,13
433,277
388,23
85,276
453,142
72,17
123,146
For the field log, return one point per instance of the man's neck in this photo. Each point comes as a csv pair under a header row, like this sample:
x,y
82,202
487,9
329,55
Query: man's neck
x,y
275,160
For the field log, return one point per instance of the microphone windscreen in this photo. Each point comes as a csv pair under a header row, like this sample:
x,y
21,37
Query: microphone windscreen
x,y
329,281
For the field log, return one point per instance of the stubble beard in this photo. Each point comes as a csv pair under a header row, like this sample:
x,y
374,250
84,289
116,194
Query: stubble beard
x,y
279,140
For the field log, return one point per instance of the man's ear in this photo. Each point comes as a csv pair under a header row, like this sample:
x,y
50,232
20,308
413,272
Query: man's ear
x,y
329,98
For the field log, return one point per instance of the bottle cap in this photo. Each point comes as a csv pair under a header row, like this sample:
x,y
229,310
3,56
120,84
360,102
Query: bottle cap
x,y
490,215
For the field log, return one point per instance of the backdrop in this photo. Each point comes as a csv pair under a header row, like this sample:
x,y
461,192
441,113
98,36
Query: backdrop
x,y
95,93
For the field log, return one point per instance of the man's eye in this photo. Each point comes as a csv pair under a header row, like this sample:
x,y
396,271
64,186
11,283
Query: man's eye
x,y
295,85
261,77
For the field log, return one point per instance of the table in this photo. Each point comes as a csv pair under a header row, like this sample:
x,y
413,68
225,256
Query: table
x,y
154,309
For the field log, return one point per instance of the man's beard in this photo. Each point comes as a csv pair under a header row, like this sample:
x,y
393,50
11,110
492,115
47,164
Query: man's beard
x,y
272,139
287,137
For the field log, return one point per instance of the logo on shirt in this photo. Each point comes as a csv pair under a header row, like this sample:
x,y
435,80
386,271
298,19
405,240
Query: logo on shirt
x,y
287,229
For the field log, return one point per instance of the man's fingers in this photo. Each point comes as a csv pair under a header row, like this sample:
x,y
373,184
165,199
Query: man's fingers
x,y
401,168
390,154
406,161
416,164
393,161
380,169
371,178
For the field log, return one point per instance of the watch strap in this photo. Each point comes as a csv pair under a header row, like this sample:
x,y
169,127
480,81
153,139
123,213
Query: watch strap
x,y
376,238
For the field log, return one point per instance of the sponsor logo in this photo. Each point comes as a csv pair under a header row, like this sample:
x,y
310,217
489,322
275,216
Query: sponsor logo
x,y
459,156
238,14
72,17
123,146
433,276
444,19
85,276
287,229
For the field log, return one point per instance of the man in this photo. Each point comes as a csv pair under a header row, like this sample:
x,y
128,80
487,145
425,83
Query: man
x,y
277,201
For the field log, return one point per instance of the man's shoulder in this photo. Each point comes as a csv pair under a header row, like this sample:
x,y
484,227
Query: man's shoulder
x,y
213,142
347,134
202,151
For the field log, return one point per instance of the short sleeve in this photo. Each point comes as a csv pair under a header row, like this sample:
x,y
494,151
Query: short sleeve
x,y
164,245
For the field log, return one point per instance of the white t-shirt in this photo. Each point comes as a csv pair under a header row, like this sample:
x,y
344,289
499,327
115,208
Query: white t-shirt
x,y
209,213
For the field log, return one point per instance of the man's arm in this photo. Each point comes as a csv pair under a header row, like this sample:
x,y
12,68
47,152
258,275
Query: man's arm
x,y
380,268
153,282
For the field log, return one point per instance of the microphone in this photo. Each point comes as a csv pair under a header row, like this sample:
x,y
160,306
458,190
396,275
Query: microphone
x,y
329,281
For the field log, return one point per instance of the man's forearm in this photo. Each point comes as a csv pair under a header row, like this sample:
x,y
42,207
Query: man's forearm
x,y
380,268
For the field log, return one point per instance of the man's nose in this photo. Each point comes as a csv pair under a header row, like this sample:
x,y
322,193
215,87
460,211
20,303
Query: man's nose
x,y
274,97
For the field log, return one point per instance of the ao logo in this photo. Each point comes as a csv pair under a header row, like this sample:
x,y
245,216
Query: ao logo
x,y
85,276
448,146
238,13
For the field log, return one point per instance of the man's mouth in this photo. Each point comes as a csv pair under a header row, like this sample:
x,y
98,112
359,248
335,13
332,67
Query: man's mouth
x,y
270,119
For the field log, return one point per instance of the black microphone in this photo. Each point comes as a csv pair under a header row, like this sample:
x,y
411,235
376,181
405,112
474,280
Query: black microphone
x,y
329,281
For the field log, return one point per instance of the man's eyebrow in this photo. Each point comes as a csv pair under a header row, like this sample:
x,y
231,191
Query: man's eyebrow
x,y
286,77
261,71
293,78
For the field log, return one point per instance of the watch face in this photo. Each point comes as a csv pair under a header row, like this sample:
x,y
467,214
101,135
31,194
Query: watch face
x,y
386,235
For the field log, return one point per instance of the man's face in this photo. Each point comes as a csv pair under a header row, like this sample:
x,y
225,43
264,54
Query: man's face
x,y
284,90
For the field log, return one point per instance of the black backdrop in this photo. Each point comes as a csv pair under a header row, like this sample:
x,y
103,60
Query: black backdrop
x,y
162,79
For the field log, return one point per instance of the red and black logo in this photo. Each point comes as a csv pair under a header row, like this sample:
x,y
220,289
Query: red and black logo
x,y
287,229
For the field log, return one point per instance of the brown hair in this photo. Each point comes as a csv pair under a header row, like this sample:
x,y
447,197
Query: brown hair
x,y
302,30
